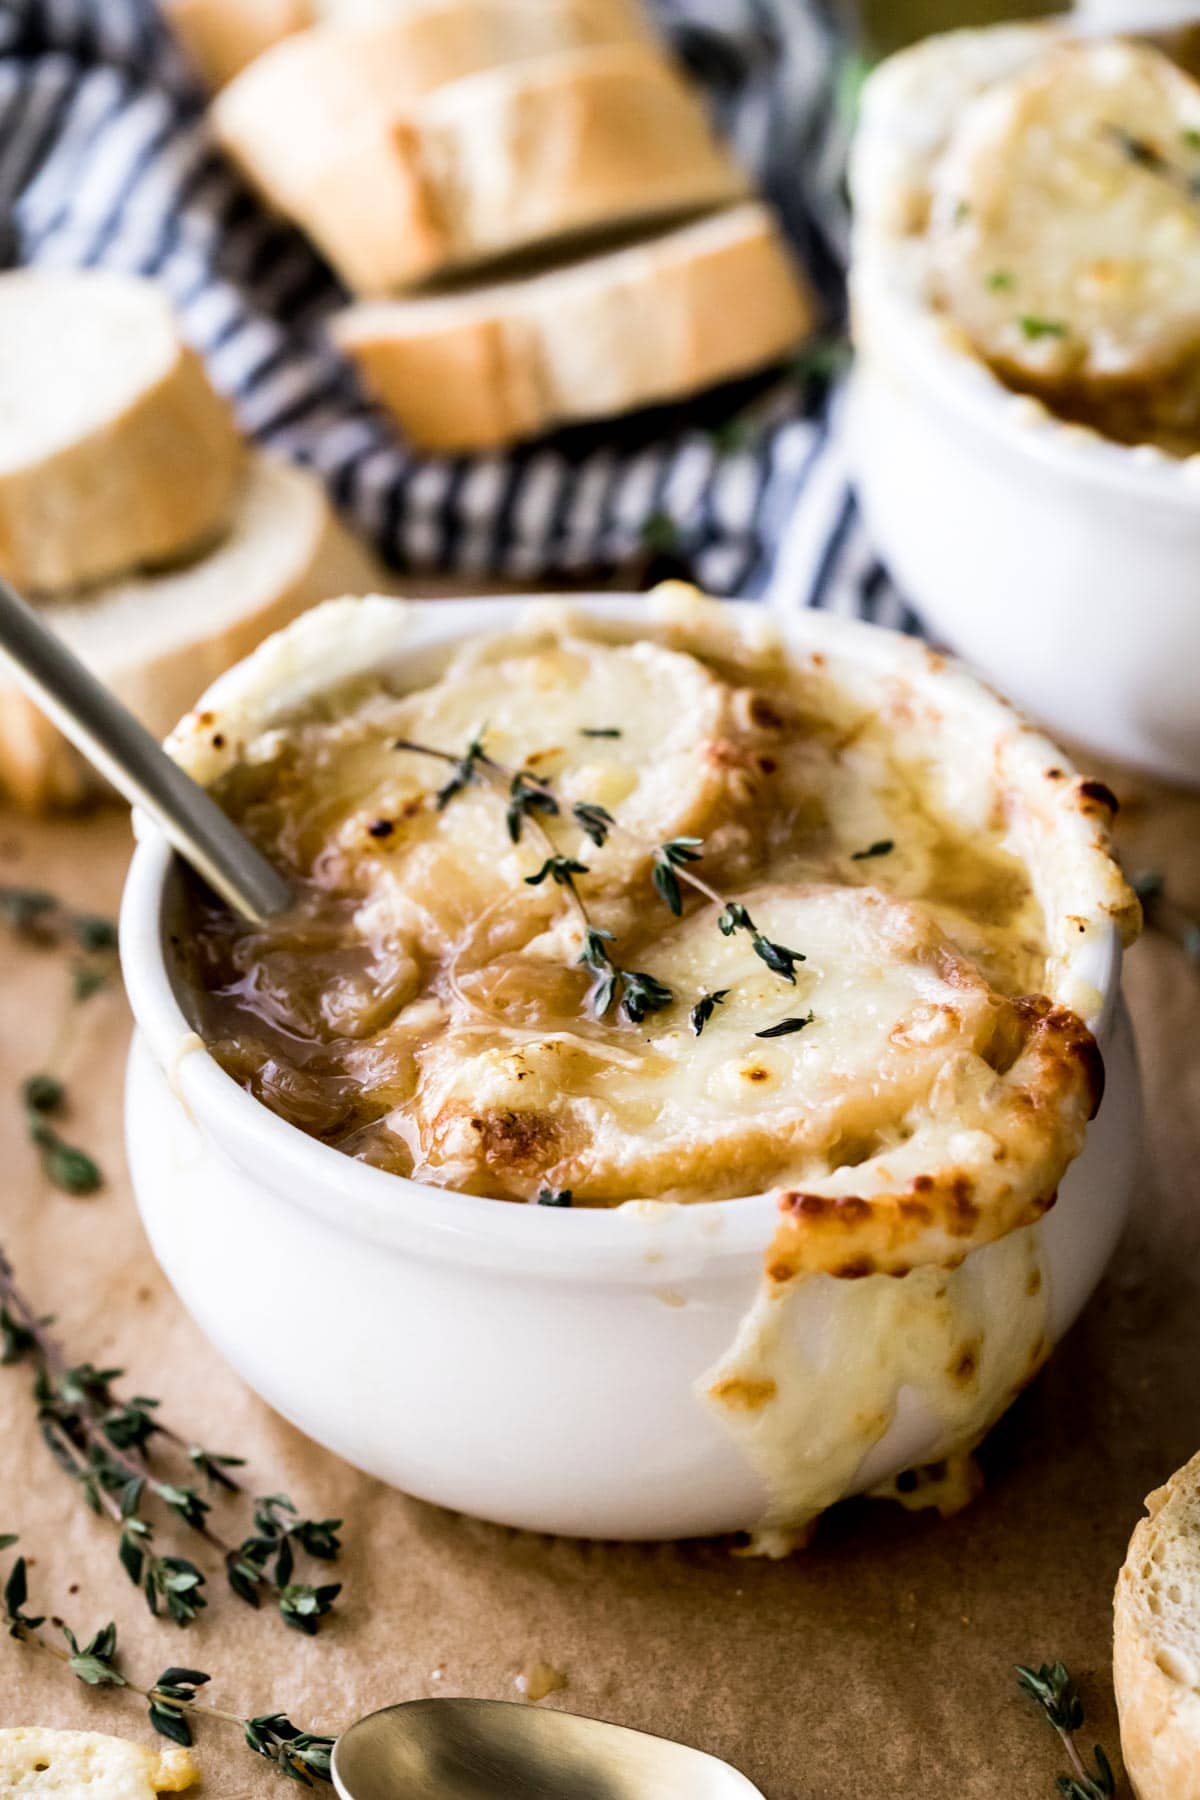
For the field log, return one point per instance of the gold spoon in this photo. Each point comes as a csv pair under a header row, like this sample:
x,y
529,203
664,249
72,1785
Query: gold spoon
x,y
123,751
500,1750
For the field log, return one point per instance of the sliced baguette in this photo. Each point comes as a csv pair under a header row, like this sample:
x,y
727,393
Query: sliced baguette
x,y
657,321
1156,1643
115,452
493,163
329,95
223,36
157,641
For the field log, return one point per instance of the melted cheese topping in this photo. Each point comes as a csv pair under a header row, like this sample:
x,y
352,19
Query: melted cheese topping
x,y
807,1390
427,1008
1065,235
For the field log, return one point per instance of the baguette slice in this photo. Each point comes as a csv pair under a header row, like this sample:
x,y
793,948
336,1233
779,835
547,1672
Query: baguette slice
x,y
657,321
330,94
157,641
224,36
115,452
1156,1643
74,1764
484,166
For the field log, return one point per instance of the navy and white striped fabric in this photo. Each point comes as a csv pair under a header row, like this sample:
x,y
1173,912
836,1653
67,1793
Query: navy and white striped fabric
x,y
106,159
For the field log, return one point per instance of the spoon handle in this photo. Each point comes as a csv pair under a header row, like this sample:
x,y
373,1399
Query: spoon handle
x,y
123,751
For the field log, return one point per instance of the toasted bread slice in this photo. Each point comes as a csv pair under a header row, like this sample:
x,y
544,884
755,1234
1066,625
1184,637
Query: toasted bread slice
x,y
578,140
1065,225
1156,1643
158,640
74,1763
115,451
657,321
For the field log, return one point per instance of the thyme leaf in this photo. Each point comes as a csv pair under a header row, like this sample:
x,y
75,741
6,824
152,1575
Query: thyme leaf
x,y
601,731
642,994
705,1007
778,958
562,870
70,1169
787,1027
595,956
595,821
882,847
555,1197
735,918
667,858
1033,327
527,794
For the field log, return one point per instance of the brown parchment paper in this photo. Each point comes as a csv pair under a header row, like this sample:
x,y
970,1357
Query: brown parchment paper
x,y
877,1663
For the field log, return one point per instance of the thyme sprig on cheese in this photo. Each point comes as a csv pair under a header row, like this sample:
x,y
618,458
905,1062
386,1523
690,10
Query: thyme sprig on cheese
x,y
172,1702
530,798
111,1447
1144,155
1055,1692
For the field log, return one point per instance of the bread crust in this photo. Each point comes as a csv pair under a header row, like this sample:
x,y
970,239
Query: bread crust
x,y
482,167
223,36
666,319
149,477
1157,1683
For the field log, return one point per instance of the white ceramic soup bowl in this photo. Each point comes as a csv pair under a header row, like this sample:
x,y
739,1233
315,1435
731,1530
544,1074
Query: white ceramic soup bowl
x,y
1063,564
541,1367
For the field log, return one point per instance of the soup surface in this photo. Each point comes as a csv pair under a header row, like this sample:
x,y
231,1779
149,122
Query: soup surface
x,y
587,921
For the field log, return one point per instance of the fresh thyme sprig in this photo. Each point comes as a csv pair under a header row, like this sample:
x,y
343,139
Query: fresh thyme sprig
x,y
1054,1691
637,992
105,1444
172,1704
40,918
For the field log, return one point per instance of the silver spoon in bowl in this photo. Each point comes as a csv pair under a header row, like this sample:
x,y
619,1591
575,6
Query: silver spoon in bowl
x,y
125,753
426,1749
500,1750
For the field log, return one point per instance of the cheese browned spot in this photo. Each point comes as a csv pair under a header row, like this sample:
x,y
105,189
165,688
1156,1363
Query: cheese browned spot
x,y
1065,229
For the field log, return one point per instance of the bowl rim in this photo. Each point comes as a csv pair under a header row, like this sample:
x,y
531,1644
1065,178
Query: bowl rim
x,y
643,1242
893,317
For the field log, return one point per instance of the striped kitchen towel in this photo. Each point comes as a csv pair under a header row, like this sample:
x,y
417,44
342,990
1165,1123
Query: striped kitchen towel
x,y
106,159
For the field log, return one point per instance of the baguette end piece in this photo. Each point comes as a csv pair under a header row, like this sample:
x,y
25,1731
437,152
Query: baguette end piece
x,y
1156,1643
